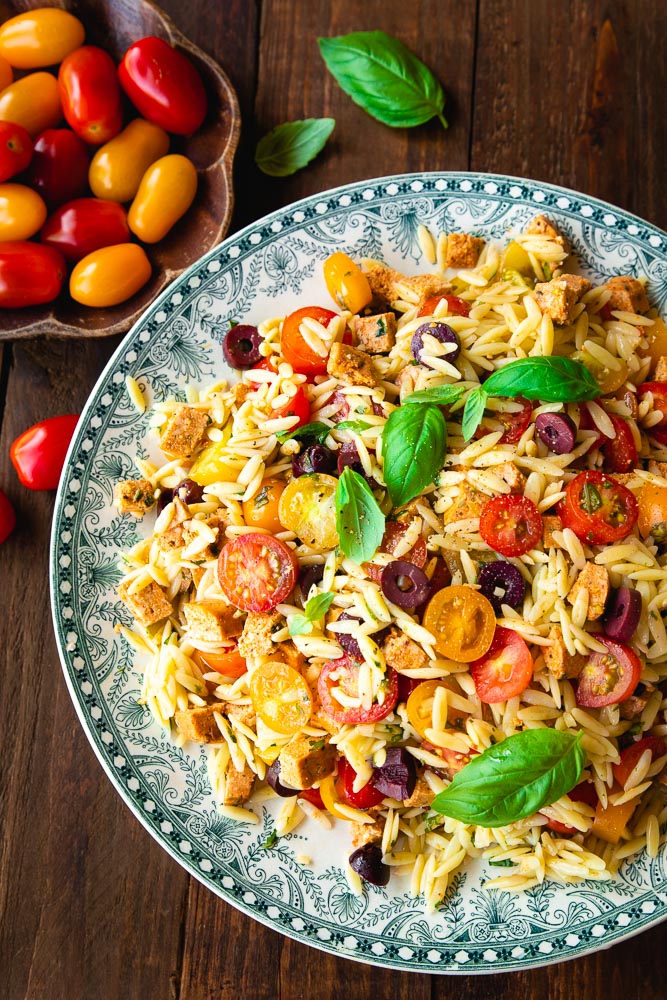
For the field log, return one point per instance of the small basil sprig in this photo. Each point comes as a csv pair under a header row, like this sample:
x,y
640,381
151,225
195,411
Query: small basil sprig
x,y
441,395
314,433
514,779
313,611
290,146
414,443
359,520
352,425
384,78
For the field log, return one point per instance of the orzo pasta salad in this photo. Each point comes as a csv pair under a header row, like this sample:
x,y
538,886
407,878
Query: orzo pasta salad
x,y
408,573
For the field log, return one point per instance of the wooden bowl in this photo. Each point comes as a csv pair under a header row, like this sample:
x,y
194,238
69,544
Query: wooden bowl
x,y
115,25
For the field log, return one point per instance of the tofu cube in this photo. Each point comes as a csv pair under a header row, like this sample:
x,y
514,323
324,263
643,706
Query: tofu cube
x,y
351,366
463,250
421,287
401,652
558,660
183,432
211,621
257,636
627,294
376,334
510,475
238,785
594,580
541,226
551,523
245,714
306,760
421,797
660,373
367,833
199,724
148,605
558,297
134,496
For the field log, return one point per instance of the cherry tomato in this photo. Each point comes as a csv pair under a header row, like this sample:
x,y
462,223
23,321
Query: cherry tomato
x,y
344,673
7,517
652,519
308,508
6,74
281,697
455,305
118,166
515,423
609,379
41,37
266,365
393,533
655,343
597,508
30,274
256,571
312,795
15,149
630,756
608,678
583,792
59,168
166,191
163,85
420,707
365,798
606,313
298,406
228,662
33,101
262,510
462,621
83,225
38,455
22,212
346,283
511,525
295,350
620,452
586,423
505,670
659,392
90,95
110,275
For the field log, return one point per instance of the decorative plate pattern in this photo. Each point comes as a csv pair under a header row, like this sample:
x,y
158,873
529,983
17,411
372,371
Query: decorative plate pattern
x,y
270,268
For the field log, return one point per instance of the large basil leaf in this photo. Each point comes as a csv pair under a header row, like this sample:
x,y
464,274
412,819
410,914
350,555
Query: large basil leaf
x,y
359,520
414,443
551,379
290,146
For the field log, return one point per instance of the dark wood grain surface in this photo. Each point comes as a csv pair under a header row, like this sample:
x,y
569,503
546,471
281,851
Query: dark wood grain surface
x,y
90,906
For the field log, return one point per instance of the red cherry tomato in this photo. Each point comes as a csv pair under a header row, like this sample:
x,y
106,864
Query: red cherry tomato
x,y
630,756
163,85
298,406
266,365
455,305
295,350
30,274
7,517
583,792
15,149
598,509
505,670
38,455
365,798
620,452
83,225
610,677
393,533
586,423
511,525
514,423
90,95
59,168
313,796
659,392
343,673
256,571
606,314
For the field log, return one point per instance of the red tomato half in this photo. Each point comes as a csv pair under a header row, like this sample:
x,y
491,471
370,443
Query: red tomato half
x,y
59,168
583,792
7,517
90,95
313,796
505,670
610,677
298,406
30,274
365,798
38,455
514,423
83,225
393,533
620,452
598,509
659,392
511,525
295,350
15,149
630,756
343,673
266,365
455,305
256,571
163,85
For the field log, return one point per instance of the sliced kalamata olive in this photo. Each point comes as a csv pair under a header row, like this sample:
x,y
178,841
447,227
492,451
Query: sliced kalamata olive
x,y
189,491
440,577
348,642
398,775
273,779
404,584
166,496
501,583
441,332
313,458
624,613
367,862
310,575
406,686
558,432
241,346
349,456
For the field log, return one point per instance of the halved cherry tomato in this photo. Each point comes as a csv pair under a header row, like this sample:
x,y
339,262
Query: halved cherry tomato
x,y
365,798
30,274
312,795
455,305
7,517
393,533
511,525
59,168
505,670
346,283
22,212
609,379
597,508
266,365
163,85
262,510
90,95
454,760
583,792
256,571
227,662
83,225
659,392
294,348
630,756
165,193
608,678
38,455
281,697
344,673
586,423
41,37
308,508
606,314
655,342
652,519
33,101
298,406
420,707
462,622
620,452
15,149
118,166
514,422
6,74
110,275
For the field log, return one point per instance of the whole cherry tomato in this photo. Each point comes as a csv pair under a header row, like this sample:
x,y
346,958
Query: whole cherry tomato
x,y
118,166
22,212
38,455
33,101
165,193
78,227
15,149
59,167
6,74
109,275
163,85
41,37
90,95
7,517
346,283
30,274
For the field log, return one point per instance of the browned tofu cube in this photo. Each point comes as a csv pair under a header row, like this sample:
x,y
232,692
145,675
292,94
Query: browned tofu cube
x,y
244,714
660,373
510,475
376,334
469,503
382,281
238,785
401,652
289,654
306,760
134,496
463,250
217,521
558,661
211,621
351,366
627,294
541,226
633,706
367,833
199,724
595,580
551,523
148,605
173,536
257,636
183,432
558,297
421,797
421,287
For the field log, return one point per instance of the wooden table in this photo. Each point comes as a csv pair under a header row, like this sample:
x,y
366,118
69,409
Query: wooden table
x,y
90,906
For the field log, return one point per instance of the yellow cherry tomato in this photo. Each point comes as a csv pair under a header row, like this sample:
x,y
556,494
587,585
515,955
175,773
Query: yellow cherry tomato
x,y
213,464
262,510
281,697
515,258
117,167
652,520
346,283
420,707
22,212
33,102
110,275
610,379
308,508
656,340
166,192
462,622
6,75
41,37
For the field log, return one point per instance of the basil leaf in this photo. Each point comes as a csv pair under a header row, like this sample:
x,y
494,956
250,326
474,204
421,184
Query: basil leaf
x,y
514,779
473,412
352,425
290,146
270,841
441,395
414,442
384,78
551,379
359,520
315,433
313,611
590,498
300,625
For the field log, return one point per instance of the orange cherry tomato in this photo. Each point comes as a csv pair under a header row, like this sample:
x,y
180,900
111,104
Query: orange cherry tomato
x,y
295,350
227,662
462,622
262,510
41,37
653,511
117,167
6,74
110,275
22,212
505,670
455,305
281,697
33,101
420,707
90,94
165,193
346,283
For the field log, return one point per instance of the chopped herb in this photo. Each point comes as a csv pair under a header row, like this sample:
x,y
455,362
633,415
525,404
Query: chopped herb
x,y
590,498
270,840
505,863
262,497
352,425
317,744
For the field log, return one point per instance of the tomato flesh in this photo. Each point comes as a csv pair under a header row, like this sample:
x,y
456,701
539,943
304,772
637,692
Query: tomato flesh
x,y
294,348
365,798
281,697
514,422
505,671
298,406
608,678
344,674
228,662
256,572
511,525
455,305
598,509
620,452
630,756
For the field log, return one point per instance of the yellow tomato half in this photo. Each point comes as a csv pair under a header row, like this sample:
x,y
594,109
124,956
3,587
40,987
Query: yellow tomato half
x,y
308,508
281,697
462,622
346,283
213,465
652,518
262,510
420,707
656,340
117,167
22,212
165,194
109,276
41,37
33,101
